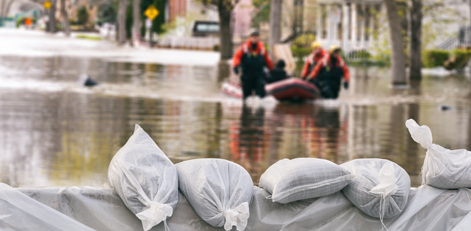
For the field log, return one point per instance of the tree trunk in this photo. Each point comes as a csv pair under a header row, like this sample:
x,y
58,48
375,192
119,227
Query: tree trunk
x,y
275,24
415,40
52,17
2,8
65,19
398,69
136,27
225,8
122,21
6,5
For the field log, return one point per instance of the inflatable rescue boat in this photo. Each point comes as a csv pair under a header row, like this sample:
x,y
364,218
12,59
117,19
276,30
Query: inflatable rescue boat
x,y
294,89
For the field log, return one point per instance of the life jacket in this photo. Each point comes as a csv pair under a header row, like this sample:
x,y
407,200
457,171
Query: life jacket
x,y
252,62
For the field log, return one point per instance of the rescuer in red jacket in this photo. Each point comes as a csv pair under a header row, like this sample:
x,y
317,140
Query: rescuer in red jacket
x,y
251,57
327,75
317,54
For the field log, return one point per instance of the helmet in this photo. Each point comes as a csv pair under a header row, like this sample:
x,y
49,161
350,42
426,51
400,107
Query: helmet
x,y
334,48
315,45
254,32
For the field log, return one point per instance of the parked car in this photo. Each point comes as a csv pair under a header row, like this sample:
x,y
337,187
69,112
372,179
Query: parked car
x,y
205,29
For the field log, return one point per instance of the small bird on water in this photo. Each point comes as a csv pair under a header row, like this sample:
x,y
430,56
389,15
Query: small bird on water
x,y
445,107
87,81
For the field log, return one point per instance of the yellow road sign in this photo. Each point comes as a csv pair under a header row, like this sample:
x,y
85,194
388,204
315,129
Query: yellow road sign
x,y
151,12
47,4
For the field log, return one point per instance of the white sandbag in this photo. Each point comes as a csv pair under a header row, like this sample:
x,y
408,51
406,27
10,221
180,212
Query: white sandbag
x,y
303,178
379,188
145,179
443,168
219,190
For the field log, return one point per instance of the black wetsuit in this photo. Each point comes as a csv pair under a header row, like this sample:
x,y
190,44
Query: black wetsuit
x,y
276,75
329,80
252,74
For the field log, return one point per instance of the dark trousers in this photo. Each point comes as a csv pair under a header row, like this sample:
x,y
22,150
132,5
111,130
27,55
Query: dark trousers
x,y
328,83
252,83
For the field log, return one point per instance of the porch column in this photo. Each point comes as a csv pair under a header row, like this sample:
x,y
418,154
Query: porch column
x,y
334,21
353,9
319,23
362,26
328,19
345,27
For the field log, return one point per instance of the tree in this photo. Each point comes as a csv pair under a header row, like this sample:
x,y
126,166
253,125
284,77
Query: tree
x,y
275,23
122,21
415,40
225,8
261,12
82,15
106,13
136,26
5,6
52,23
65,19
398,68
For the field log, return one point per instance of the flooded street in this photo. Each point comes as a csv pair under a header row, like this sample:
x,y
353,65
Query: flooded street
x,y
56,133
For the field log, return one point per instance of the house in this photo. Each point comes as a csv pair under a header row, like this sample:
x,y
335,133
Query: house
x,y
358,24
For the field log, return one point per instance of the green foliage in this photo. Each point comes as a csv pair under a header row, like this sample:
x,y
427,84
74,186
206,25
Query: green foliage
x,y
82,15
300,52
458,60
106,13
435,58
21,21
88,37
304,40
363,54
262,12
159,21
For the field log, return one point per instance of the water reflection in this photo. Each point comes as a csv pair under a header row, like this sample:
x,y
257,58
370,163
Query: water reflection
x,y
68,136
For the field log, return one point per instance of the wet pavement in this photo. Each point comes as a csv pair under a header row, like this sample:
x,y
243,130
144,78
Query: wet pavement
x,y
56,133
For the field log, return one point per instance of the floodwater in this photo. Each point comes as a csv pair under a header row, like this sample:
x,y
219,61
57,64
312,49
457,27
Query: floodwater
x,y
56,133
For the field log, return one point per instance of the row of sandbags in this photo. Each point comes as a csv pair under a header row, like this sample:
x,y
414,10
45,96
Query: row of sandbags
x,y
220,191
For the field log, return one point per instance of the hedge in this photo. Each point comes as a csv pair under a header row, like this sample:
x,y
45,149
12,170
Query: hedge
x,y
299,52
458,59
435,58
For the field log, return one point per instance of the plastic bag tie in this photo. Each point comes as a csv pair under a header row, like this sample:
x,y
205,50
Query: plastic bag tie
x,y
420,134
157,213
387,181
237,217
387,186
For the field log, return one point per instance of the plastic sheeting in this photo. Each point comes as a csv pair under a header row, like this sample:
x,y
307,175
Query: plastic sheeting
x,y
101,209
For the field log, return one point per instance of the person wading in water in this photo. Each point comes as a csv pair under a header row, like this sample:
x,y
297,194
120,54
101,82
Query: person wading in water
x,y
327,75
313,59
251,57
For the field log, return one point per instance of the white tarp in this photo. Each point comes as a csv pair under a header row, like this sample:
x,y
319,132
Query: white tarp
x,y
101,209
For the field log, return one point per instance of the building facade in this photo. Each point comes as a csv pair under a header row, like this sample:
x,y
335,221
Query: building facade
x,y
357,24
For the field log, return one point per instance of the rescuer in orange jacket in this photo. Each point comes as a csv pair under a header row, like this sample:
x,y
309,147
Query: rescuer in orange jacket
x,y
252,58
317,54
327,75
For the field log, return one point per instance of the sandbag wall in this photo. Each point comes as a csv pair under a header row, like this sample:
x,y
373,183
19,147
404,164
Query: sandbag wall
x,y
221,192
